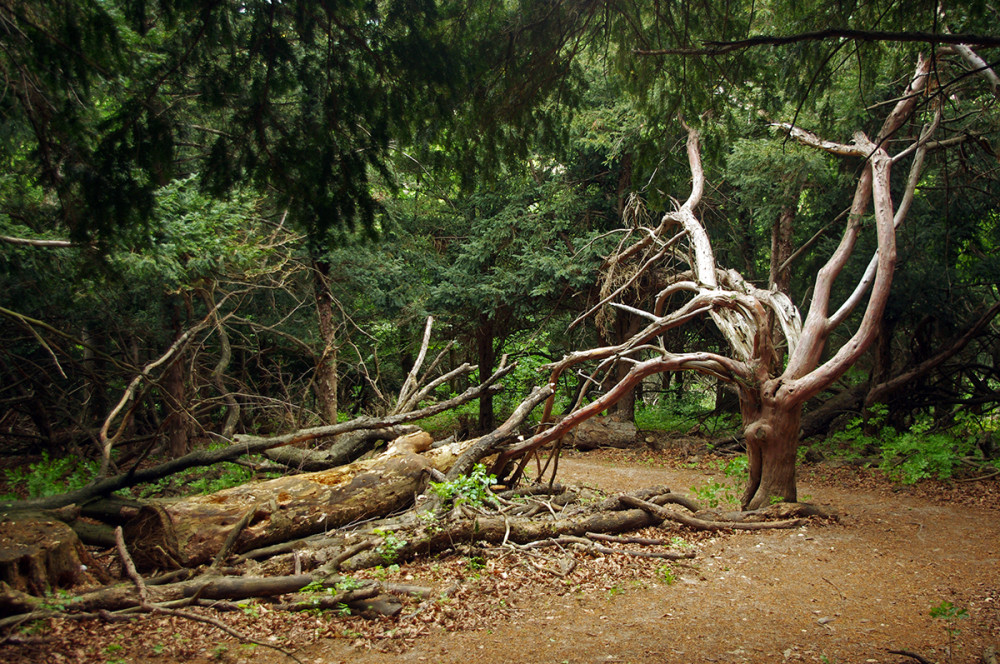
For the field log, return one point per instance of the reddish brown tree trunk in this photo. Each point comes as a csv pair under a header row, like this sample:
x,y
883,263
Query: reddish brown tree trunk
x,y
626,325
771,430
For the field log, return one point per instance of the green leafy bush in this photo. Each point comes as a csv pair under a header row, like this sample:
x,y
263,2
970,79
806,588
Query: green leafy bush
x,y
472,489
715,494
49,477
923,451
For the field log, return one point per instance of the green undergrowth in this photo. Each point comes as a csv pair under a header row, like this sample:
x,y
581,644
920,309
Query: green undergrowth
x,y
691,411
201,480
48,477
926,450
445,424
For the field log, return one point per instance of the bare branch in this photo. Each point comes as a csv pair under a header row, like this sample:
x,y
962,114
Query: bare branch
x,y
52,244
721,48
177,346
410,384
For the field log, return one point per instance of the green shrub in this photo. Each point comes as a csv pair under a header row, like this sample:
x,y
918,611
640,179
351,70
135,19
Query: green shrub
x,y
921,453
721,494
49,477
472,489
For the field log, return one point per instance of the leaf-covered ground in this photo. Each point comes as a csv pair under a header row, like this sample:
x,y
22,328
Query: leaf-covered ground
x,y
847,592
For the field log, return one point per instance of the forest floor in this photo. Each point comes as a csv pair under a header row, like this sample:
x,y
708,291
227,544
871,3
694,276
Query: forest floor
x,y
833,591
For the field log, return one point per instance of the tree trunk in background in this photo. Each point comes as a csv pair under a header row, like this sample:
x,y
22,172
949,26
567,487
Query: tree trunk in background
x,y
178,423
95,398
325,388
780,278
882,371
781,250
486,359
626,325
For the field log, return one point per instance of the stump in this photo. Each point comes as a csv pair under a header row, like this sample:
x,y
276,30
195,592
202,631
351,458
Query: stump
x,y
39,556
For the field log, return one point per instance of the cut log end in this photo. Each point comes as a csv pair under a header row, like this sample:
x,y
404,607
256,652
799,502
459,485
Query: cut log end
x,y
39,556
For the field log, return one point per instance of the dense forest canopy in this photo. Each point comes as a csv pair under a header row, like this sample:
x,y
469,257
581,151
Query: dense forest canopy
x,y
234,218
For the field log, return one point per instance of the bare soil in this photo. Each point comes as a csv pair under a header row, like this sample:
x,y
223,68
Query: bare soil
x,y
845,591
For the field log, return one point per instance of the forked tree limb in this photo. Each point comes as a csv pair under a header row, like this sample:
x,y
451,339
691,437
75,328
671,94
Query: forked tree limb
x,y
106,441
803,378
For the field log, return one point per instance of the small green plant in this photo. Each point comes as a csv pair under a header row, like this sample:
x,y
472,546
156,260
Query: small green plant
x,y
317,589
391,545
475,563
349,583
666,574
58,600
949,614
251,609
715,494
383,573
472,489
711,493
343,609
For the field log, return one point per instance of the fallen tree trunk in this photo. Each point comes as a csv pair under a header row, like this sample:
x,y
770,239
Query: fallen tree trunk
x,y
344,449
194,530
602,432
247,444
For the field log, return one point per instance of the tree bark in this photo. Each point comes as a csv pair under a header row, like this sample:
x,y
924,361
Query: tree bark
x,y
326,384
485,334
771,433
38,556
345,448
191,531
177,422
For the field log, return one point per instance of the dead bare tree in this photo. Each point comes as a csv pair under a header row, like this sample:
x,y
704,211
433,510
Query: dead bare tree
x,y
756,322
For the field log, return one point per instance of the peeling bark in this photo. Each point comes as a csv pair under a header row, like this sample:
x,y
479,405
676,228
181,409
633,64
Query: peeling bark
x,y
191,531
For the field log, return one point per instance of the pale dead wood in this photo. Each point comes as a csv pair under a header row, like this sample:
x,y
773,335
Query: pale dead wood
x,y
669,515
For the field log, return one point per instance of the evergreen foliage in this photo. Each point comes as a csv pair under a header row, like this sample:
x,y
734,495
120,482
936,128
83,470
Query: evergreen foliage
x,y
466,160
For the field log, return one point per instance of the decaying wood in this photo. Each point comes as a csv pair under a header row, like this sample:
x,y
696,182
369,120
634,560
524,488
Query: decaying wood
x,y
40,556
602,432
190,531
343,449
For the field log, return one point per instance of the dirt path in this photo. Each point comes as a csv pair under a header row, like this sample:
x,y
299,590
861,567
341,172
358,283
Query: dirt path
x,y
841,593
846,592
